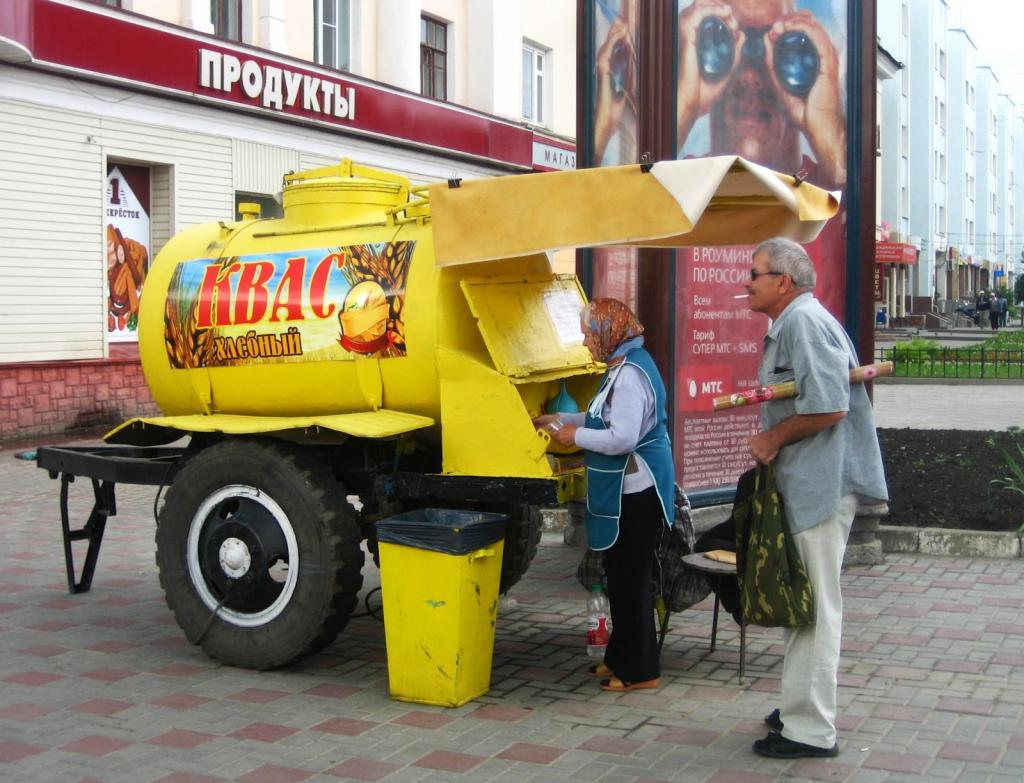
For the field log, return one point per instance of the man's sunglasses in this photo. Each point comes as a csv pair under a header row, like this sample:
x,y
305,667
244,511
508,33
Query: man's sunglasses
x,y
754,274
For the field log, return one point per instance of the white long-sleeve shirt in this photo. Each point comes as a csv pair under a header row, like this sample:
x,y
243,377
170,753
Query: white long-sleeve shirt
x,y
628,414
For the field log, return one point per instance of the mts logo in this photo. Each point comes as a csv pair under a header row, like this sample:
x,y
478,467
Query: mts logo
x,y
696,385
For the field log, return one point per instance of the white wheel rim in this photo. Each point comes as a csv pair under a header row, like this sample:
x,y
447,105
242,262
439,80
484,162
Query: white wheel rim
x,y
242,619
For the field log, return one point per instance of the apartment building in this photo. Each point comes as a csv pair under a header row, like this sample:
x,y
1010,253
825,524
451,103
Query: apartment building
x,y
950,154
1001,250
127,121
962,271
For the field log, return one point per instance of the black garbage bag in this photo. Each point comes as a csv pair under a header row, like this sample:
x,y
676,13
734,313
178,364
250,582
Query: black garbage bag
x,y
451,531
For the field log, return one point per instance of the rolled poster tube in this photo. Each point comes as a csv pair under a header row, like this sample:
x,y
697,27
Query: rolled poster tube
x,y
788,389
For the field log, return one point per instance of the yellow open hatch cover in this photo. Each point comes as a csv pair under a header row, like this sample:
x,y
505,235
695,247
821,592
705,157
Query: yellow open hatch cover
x,y
530,324
157,430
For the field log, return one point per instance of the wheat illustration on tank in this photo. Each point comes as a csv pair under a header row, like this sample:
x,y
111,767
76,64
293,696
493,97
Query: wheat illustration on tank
x,y
320,304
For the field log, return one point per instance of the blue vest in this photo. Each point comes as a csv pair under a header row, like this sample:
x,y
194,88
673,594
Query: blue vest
x,y
605,473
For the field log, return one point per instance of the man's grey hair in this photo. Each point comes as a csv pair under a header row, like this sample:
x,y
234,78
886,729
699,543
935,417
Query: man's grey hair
x,y
789,258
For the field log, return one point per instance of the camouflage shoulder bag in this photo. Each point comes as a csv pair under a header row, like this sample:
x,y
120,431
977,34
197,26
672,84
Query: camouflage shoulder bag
x,y
774,587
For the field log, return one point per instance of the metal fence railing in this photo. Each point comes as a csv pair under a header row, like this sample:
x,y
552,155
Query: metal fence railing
x,y
944,362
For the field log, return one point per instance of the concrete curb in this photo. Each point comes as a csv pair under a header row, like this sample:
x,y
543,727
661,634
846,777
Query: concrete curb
x,y
895,539
953,543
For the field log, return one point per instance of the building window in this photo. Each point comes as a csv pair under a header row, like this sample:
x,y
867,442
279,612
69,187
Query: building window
x,y
227,18
534,93
433,58
333,34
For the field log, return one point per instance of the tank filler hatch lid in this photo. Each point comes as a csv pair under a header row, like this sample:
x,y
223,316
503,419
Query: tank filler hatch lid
x,y
530,324
722,200
159,430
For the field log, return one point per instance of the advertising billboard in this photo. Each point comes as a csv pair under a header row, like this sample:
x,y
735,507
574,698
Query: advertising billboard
x,y
765,81
777,82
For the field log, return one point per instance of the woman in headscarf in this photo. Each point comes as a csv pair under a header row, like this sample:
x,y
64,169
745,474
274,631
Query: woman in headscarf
x,y
630,485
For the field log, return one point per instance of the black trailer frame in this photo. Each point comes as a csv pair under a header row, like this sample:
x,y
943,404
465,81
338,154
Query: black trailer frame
x,y
105,466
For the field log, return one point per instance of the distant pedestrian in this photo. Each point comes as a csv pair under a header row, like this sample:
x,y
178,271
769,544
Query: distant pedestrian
x,y
983,307
995,315
1004,311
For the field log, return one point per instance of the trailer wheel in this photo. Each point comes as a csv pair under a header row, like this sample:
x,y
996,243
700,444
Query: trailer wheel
x,y
258,553
522,536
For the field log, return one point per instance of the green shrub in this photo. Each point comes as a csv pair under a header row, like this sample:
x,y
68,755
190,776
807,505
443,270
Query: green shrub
x,y
1013,482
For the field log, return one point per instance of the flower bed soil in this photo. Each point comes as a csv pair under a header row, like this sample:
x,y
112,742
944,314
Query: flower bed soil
x,y
940,478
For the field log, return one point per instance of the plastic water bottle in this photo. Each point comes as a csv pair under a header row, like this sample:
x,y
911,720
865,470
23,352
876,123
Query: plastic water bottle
x,y
599,624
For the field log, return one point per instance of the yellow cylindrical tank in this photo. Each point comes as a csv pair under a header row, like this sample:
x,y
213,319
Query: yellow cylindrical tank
x,y
338,307
291,316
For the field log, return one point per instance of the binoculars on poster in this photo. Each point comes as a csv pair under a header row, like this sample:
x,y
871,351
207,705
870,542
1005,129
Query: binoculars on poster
x,y
795,57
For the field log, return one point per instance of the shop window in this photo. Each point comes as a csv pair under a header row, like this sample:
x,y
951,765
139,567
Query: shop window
x,y
534,77
269,207
333,34
227,18
433,58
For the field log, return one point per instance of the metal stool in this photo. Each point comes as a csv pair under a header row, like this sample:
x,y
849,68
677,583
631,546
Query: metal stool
x,y
715,571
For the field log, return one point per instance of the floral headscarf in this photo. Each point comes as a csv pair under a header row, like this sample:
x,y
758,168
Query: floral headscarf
x,y
612,323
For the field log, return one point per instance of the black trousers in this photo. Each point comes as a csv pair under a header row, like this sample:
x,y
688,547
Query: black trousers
x,y
633,648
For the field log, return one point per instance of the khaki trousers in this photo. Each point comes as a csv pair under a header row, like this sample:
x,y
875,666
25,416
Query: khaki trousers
x,y
811,665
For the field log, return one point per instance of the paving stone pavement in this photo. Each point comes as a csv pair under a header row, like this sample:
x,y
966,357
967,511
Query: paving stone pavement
x,y
906,403
104,687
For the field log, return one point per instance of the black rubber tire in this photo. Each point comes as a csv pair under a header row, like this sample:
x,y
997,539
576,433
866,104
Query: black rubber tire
x,y
522,536
325,542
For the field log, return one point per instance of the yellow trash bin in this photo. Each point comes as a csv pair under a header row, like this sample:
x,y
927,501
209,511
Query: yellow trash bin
x,y
439,576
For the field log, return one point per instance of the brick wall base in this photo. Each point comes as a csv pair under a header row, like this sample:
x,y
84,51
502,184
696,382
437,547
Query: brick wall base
x,y
49,398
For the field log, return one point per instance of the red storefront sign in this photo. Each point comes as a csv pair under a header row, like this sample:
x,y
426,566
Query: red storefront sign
x,y
895,253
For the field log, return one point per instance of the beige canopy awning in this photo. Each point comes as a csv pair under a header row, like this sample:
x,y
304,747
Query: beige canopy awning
x,y
723,200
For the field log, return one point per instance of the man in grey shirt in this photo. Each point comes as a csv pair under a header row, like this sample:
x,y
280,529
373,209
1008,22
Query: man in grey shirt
x,y
825,449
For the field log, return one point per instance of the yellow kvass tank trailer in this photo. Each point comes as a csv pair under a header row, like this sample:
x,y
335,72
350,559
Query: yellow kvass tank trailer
x,y
389,343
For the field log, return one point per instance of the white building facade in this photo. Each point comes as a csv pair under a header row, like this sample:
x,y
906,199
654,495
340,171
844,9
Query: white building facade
x,y
951,160
125,122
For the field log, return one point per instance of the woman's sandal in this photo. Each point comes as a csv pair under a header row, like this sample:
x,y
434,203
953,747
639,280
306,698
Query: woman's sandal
x,y
600,670
615,685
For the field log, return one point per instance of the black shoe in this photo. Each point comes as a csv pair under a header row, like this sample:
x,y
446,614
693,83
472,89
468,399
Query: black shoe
x,y
773,720
778,747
